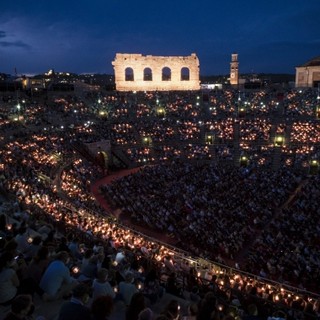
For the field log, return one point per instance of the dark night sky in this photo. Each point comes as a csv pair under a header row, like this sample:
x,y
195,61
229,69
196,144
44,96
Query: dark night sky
x,y
83,36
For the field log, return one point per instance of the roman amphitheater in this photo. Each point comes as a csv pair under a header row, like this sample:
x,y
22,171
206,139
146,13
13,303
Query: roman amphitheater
x,y
136,72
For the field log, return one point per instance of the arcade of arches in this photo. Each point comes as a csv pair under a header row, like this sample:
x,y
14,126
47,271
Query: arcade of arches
x,y
135,72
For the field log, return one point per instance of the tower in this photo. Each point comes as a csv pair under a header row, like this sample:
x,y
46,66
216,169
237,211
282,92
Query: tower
x,y
234,70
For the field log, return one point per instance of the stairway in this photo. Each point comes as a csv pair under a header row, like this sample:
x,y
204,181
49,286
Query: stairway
x,y
236,144
118,155
276,159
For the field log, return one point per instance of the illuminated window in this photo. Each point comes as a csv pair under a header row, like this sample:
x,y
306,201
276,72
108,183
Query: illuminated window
x,y
185,74
166,74
147,74
129,75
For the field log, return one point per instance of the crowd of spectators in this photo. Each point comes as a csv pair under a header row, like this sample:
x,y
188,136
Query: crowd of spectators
x,y
125,267
289,246
307,132
300,103
224,208
207,206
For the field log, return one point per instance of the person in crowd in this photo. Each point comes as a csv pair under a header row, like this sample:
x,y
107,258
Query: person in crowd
x,y
76,308
127,288
22,240
137,304
3,242
86,258
33,248
207,307
50,241
173,286
74,247
146,314
62,245
22,308
56,281
151,287
101,285
9,281
89,272
194,294
252,313
4,232
11,246
172,310
192,312
38,264
102,307
162,317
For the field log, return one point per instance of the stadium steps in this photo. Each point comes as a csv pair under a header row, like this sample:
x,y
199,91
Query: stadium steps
x,y
121,157
276,158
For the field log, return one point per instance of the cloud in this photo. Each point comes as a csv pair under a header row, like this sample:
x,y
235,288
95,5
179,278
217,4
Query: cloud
x,y
11,40
18,44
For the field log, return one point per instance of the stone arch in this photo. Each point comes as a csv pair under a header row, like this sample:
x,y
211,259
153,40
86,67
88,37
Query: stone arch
x,y
129,74
140,66
147,74
102,159
166,74
185,74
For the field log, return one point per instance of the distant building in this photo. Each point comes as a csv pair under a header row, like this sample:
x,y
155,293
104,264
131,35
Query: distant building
x,y
33,84
211,86
308,74
136,72
234,70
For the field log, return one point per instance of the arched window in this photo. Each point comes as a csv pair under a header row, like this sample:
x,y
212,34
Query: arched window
x,y
129,74
185,74
147,74
166,74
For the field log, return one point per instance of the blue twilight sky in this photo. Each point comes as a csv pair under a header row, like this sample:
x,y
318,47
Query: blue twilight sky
x,y
83,36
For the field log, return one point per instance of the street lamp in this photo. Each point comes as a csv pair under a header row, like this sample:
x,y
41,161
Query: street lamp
x,y
318,112
160,112
279,141
244,161
103,113
241,111
209,138
18,108
314,167
147,141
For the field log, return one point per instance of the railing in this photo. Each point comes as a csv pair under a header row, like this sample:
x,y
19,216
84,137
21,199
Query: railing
x,y
204,265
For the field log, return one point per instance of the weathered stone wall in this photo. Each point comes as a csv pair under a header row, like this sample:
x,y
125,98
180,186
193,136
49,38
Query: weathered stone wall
x,y
139,63
306,76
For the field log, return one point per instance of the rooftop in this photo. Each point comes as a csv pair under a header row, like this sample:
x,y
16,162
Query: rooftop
x,y
314,62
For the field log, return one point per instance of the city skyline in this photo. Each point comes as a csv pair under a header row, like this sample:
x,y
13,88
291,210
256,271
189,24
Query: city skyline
x,y
84,37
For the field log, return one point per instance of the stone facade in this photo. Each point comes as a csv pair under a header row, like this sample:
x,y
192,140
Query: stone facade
x,y
308,75
136,72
